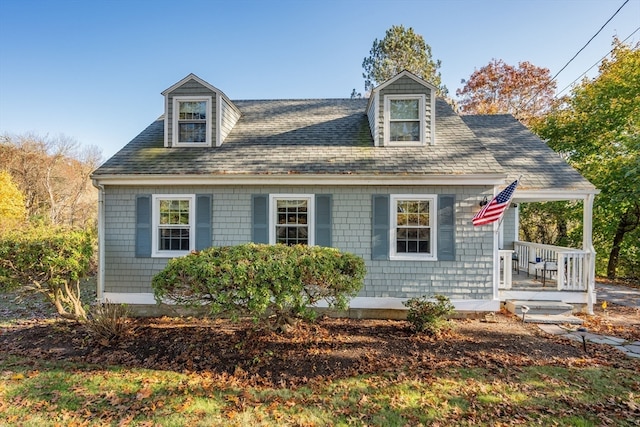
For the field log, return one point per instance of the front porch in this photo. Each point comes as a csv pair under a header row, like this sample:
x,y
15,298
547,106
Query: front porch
x,y
540,272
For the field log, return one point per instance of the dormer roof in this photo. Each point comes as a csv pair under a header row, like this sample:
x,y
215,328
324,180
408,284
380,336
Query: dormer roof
x,y
191,76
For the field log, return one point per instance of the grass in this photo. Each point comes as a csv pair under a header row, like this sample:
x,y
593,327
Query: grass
x,y
35,393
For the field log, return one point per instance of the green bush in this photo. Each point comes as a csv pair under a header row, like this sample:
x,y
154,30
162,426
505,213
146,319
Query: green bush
x,y
49,261
261,280
429,315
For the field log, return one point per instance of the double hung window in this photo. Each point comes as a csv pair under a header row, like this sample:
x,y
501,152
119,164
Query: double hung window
x,y
404,119
412,227
292,219
192,121
173,223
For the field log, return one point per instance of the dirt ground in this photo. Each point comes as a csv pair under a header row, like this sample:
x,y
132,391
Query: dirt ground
x,y
328,349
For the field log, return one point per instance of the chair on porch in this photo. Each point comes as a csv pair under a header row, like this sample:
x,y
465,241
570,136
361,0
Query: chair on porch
x,y
546,267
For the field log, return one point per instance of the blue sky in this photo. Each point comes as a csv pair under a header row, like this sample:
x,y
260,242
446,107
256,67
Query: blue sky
x,y
94,70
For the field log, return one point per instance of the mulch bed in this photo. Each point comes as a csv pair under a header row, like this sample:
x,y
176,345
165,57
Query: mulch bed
x,y
326,350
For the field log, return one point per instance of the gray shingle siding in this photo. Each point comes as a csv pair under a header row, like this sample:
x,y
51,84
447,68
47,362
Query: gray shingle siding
x,y
229,116
468,277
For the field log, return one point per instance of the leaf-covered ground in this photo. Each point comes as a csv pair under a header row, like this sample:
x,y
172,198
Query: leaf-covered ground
x,y
172,371
328,349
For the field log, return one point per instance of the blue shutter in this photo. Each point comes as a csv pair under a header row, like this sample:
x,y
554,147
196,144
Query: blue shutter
x,y
203,221
380,227
446,227
323,220
143,226
260,218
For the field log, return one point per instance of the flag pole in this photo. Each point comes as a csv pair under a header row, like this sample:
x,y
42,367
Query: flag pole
x,y
505,210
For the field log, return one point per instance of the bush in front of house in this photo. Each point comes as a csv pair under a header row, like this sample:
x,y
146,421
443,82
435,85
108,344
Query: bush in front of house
x,y
261,281
50,261
429,315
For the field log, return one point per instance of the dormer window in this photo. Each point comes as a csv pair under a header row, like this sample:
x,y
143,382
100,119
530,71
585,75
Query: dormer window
x,y
404,119
192,121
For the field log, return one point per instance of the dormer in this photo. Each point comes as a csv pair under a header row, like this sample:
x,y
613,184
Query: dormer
x,y
401,112
196,114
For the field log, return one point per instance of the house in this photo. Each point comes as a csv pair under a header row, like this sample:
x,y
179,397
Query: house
x,y
395,179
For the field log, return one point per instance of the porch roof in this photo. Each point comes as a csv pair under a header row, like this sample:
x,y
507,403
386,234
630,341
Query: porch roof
x,y
545,175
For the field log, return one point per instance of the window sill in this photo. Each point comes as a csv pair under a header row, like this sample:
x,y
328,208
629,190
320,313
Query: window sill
x,y
170,254
412,258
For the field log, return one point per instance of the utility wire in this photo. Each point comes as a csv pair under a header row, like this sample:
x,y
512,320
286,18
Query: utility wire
x,y
587,43
596,63
577,53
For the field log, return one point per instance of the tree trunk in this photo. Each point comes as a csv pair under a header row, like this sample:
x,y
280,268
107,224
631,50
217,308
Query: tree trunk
x,y
614,255
629,221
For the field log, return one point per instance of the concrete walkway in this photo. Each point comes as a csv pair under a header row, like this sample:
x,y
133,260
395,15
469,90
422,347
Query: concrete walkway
x,y
631,349
621,295
616,294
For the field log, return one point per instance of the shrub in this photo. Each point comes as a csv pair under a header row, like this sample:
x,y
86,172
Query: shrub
x,y
261,280
49,261
107,322
429,315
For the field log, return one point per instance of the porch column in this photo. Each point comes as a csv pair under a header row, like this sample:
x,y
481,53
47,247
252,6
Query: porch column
x,y
587,246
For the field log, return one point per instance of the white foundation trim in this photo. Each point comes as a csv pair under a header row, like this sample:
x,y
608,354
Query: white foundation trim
x,y
387,303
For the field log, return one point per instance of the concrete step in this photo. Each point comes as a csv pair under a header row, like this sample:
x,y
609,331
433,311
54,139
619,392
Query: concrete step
x,y
539,307
556,319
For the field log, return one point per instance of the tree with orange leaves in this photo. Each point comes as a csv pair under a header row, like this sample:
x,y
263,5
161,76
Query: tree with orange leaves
x,y
525,91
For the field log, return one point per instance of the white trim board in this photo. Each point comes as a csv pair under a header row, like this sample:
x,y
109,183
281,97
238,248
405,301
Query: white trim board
x,y
474,305
366,180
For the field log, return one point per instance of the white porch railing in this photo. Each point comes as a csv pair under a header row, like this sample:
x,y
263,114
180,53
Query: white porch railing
x,y
506,266
570,266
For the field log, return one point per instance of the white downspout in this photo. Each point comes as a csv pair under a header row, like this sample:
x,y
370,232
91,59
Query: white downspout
x,y
587,246
100,278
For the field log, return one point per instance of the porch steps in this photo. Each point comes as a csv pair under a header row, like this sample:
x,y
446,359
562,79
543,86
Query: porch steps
x,y
550,312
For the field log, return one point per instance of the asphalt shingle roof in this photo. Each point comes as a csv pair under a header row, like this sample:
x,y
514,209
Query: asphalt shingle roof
x,y
332,136
328,136
521,152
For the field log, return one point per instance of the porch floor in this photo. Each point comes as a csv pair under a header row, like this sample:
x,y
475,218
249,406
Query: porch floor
x,y
528,282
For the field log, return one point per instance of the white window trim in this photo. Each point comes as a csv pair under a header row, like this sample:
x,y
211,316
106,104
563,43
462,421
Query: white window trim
x,y
155,221
387,120
311,217
393,228
176,119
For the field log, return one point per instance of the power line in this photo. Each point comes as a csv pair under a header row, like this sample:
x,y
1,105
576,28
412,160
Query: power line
x,y
577,53
587,43
596,63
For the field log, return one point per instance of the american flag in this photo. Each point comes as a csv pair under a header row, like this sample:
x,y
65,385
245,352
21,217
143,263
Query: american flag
x,y
492,211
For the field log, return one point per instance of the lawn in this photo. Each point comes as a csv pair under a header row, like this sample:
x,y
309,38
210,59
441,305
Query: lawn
x,y
185,371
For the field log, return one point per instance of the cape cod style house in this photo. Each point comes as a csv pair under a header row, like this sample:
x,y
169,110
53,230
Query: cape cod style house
x,y
395,178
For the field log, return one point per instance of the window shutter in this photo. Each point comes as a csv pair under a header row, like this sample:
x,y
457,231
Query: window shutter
x,y
323,220
260,218
203,221
380,227
446,227
143,226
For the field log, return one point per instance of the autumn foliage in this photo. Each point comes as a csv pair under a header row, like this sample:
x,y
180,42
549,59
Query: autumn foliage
x,y
525,91
261,281
12,210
